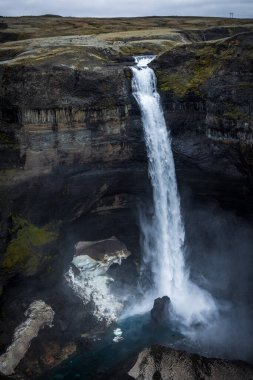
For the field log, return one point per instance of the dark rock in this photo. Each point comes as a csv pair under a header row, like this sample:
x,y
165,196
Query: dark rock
x,y
207,100
160,312
72,152
165,363
103,249
38,315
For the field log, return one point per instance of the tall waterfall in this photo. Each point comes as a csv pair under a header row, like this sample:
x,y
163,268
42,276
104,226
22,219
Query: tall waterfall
x,y
164,233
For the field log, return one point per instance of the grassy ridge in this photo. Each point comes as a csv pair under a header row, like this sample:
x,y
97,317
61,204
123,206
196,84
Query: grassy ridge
x,y
48,26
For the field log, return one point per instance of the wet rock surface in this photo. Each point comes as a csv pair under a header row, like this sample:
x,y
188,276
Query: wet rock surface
x,y
165,363
160,312
89,279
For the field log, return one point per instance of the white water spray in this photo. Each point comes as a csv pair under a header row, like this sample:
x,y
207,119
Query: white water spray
x,y
164,234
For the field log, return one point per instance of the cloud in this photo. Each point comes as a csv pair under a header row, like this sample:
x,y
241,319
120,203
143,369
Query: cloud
x,y
113,8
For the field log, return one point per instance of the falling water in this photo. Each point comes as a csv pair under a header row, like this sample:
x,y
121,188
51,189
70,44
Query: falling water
x,y
164,233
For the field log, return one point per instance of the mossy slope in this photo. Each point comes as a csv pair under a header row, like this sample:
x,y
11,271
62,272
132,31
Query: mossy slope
x,y
197,63
25,251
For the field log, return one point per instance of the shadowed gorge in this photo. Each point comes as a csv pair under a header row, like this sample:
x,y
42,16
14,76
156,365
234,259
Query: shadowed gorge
x,y
76,190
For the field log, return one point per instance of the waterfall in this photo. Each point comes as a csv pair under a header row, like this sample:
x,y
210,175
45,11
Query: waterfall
x,y
164,233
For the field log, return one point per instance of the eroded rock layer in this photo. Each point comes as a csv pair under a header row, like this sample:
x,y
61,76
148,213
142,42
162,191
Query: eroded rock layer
x,y
73,163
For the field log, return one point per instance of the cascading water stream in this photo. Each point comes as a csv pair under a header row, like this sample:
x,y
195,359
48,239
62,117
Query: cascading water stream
x,y
164,233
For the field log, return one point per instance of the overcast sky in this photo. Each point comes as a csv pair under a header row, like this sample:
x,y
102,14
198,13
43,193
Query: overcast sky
x,y
113,8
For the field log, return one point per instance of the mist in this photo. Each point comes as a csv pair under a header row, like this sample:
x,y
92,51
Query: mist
x,y
219,255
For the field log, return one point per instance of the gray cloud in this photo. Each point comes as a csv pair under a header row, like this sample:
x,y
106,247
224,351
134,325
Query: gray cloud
x,y
113,8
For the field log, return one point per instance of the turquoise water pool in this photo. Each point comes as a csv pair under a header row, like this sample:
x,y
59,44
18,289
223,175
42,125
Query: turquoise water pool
x,y
105,355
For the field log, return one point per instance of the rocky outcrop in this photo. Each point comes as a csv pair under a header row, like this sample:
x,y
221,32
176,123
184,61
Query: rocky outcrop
x,y
160,312
89,280
39,315
214,80
206,91
73,162
72,168
166,363
212,83
70,134
55,355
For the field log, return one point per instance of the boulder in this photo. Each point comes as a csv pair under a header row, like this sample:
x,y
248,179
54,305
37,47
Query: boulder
x,y
164,363
102,250
39,315
88,277
160,312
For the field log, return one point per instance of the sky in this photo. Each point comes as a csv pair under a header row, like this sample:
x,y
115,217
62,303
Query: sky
x,y
127,8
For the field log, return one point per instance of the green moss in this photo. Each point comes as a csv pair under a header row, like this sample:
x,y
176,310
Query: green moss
x,y
134,50
245,85
201,61
23,252
8,140
9,175
184,82
172,82
128,73
8,172
234,113
201,73
191,74
143,48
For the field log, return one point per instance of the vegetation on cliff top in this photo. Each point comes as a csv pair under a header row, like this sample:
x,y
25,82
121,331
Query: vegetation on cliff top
x,y
20,28
190,74
197,64
37,40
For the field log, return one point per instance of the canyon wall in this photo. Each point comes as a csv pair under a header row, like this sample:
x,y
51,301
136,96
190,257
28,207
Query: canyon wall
x,y
206,91
73,162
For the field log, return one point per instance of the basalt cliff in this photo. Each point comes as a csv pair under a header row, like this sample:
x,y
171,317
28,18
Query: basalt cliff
x,y
73,162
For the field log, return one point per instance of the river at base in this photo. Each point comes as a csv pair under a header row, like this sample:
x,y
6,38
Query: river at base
x,y
105,357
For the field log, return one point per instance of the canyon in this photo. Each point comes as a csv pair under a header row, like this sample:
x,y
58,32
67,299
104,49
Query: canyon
x,y
73,162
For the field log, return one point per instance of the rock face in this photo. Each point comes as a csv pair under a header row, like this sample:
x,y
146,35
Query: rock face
x,y
56,355
206,91
70,133
88,277
160,312
71,138
72,168
165,363
39,315
73,162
